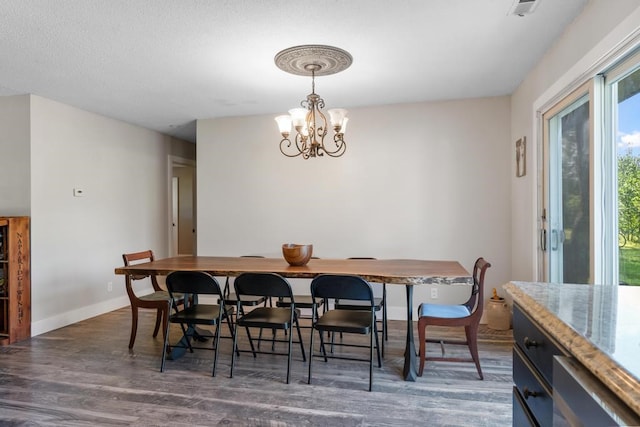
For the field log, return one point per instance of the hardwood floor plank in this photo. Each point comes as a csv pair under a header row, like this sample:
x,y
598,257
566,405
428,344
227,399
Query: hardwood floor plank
x,y
84,375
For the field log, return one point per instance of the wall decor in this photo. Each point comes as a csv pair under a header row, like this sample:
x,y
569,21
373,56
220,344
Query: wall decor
x,y
521,157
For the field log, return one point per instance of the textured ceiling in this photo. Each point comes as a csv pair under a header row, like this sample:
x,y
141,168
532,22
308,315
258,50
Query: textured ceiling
x,y
162,64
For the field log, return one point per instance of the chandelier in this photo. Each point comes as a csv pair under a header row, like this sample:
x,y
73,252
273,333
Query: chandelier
x,y
308,121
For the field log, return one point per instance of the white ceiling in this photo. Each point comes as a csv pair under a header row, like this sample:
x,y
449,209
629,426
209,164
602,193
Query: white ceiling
x,y
162,64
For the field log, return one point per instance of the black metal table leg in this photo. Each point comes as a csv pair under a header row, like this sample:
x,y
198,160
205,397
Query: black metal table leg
x,y
409,372
178,350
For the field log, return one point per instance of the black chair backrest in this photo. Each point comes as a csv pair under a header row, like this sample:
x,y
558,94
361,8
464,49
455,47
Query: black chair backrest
x,y
192,282
341,287
263,284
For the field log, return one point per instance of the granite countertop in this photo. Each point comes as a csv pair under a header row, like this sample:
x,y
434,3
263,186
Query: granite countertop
x,y
599,325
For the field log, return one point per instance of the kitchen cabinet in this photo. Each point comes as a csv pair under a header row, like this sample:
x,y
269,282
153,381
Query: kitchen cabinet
x,y
533,353
575,354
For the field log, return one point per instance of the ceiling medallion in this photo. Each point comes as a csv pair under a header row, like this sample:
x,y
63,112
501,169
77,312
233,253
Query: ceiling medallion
x,y
309,121
331,60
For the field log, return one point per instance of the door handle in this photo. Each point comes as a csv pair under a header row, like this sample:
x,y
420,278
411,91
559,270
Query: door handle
x,y
554,240
543,240
529,393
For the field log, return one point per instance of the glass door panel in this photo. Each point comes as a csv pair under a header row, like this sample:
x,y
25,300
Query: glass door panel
x,y
568,220
626,116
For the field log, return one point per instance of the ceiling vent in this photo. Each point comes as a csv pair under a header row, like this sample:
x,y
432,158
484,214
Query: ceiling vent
x,y
523,7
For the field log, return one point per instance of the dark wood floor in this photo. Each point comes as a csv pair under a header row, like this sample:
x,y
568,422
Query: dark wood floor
x,y
84,375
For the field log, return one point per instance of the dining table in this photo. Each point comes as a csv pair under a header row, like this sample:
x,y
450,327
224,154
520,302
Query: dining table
x,y
407,272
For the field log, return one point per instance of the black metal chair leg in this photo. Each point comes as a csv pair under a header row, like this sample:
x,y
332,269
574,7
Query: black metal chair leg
x,y
231,331
304,356
216,346
186,337
164,348
234,350
253,350
371,354
311,354
375,332
385,324
289,357
324,351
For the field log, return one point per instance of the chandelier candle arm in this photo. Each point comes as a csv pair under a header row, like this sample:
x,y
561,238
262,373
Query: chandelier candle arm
x,y
343,128
284,125
338,118
298,118
309,122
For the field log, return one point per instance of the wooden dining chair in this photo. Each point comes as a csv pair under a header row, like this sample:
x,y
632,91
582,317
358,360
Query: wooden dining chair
x,y
157,300
467,315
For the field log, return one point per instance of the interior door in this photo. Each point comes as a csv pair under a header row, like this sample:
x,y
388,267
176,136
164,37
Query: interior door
x,y
175,219
566,215
182,206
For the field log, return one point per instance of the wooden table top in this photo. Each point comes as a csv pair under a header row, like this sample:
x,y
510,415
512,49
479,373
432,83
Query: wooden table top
x,y
392,271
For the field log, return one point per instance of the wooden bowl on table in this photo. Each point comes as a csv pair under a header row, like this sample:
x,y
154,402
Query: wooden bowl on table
x,y
297,255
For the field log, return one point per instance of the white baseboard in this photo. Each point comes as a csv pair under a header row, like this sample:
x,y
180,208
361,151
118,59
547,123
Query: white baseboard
x,y
83,313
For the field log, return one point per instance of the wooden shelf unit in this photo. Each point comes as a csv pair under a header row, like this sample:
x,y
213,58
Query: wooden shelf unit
x,y
15,279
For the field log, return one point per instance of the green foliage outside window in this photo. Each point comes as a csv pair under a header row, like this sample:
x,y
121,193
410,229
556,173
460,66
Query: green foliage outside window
x,y
629,218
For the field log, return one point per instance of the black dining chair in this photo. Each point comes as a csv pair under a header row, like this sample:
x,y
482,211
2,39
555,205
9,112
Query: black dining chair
x,y
196,284
380,306
269,285
231,299
348,321
467,315
303,302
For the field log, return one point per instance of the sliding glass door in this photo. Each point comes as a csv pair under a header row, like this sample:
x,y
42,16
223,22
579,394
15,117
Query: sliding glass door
x,y
590,204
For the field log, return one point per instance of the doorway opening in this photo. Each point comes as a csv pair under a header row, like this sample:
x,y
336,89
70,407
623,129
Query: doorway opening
x,y
182,235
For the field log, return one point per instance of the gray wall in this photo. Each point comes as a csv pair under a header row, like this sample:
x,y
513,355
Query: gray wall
x,y
15,150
